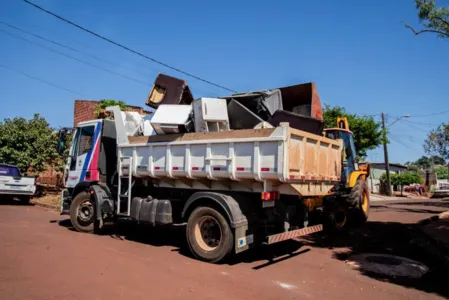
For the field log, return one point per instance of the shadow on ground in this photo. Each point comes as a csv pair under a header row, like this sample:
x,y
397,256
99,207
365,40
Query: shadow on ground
x,y
430,203
174,236
9,201
427,207
396,239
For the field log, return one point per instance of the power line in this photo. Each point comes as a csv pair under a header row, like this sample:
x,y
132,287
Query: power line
x,y
420,123
74,58
414,126
400,142
127,48
209,91
58,44
41,80
432,114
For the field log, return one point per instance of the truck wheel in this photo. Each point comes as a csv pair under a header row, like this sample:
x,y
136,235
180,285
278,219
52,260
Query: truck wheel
x,y
359,201
82,213
209,235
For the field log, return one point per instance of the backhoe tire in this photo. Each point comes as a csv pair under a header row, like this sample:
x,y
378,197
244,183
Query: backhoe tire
x,y
209,235
82,213
359,202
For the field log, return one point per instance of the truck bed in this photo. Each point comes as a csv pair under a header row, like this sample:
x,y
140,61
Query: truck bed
x,y
293,161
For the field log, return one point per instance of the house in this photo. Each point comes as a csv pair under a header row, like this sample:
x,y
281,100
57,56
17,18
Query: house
x,y
377,170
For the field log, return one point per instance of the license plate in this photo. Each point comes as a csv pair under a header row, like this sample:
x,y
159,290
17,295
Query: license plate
x,y
15,187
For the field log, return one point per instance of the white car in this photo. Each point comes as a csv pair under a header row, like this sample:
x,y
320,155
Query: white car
x,y
14,185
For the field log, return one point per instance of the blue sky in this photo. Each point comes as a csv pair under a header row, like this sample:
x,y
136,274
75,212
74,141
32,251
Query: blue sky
x,y
358,53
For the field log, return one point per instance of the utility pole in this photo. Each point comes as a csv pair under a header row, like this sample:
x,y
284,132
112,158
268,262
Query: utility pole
x,y
387,164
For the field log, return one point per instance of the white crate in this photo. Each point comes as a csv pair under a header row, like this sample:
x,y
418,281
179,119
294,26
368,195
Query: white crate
x,y
211,114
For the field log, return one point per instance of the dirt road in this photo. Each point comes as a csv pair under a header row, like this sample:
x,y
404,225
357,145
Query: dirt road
x,y
42,258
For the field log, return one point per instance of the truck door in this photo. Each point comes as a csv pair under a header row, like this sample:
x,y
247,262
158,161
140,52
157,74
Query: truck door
x,y
83,160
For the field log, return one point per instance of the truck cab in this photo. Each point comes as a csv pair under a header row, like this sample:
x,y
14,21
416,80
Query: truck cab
x,y
91,158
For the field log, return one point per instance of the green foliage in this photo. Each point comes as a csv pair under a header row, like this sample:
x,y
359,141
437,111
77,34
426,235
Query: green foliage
x,y
101,114
413,168
442,172
437,141
402,179
27,143
426,162
367,132
434,19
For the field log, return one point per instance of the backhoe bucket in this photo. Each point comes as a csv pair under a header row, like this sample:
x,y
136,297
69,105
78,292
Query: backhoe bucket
x,y
302,99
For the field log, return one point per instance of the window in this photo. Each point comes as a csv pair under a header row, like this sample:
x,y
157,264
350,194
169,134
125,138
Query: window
x,y
84,139
9,171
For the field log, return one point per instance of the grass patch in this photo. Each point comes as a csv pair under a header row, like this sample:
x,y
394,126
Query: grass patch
x,y
51,200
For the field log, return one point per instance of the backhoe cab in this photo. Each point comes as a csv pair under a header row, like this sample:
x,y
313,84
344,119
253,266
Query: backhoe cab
x,y
352,171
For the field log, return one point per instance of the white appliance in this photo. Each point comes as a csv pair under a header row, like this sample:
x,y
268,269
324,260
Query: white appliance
x,y
172,118
147,129
211,114
133,122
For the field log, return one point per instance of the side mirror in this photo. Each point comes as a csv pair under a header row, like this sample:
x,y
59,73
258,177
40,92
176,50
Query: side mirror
x,y
62,135
61,142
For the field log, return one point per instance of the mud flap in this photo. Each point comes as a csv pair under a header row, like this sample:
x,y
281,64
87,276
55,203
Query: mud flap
x,y
64,205
242,241
102,202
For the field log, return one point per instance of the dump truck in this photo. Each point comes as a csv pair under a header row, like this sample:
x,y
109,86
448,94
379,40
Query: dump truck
x,y
234,189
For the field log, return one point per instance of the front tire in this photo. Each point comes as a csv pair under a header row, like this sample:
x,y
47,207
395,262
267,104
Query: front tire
x,y
209,235
360,202
82,213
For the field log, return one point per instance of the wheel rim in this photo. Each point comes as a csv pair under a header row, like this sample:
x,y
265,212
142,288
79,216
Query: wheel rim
x,y
85,212
208,233
365,202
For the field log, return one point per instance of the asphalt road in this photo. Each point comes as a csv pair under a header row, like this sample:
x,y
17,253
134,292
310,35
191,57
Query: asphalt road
x,y
42,258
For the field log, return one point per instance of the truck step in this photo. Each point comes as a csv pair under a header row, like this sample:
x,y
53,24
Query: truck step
x,y
276,238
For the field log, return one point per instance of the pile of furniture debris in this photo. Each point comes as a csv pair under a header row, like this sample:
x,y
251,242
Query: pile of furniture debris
x,y
176,111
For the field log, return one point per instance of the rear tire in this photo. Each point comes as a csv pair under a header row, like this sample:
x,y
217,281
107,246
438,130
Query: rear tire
x,y
209,236
82,213
360,203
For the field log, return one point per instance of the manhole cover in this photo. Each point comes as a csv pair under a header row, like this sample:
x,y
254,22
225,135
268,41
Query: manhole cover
x,y
388,265
384,260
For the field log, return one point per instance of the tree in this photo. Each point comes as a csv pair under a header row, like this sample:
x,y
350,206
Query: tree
x,y
413,168
434,19
367,132
27,143
437,141
442,172
100,112
425,162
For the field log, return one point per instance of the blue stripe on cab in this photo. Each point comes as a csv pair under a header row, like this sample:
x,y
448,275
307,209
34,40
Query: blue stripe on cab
x,y
89,154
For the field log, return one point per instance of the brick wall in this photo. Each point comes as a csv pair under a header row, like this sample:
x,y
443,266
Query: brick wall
x,y
84,110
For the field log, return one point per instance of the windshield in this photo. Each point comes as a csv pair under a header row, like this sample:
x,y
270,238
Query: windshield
x,y
9,171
